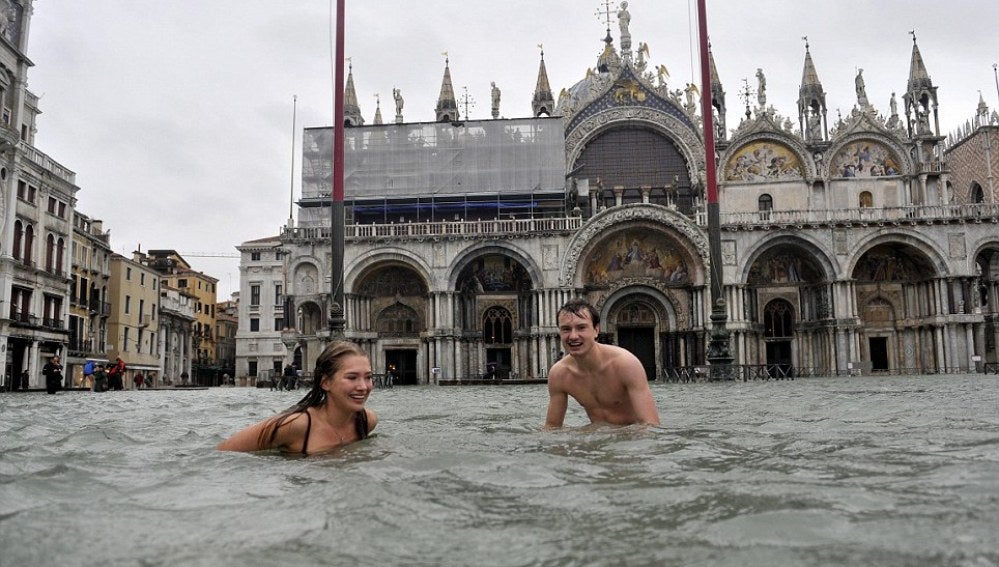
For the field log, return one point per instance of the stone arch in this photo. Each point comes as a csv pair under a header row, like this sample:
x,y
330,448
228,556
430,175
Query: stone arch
x,y
669,223
868,154
469,255
765,157
310,317
781,245
976,194
394,295
306,276
686,142
363,263
641,319
904,240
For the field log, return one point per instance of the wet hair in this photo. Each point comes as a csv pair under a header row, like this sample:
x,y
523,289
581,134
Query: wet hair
x,y
327,364
577,307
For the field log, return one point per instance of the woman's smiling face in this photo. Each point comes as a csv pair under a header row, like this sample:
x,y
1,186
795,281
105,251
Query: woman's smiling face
x,y
351,385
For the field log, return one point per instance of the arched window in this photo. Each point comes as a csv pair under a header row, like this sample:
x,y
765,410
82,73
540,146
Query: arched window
x,y
765,205
398,320
60,254
766,202
18,235
866,200
977,194
497,326
49,252
778,320
29,242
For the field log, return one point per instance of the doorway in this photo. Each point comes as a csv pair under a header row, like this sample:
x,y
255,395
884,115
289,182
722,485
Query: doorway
x,y
779,358
879,353
640,341
498,363
402,362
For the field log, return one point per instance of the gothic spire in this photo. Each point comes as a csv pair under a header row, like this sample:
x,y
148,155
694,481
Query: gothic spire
x,y
378,110
447,105
920,97
717,97
351,110
543,102
811,101
918,77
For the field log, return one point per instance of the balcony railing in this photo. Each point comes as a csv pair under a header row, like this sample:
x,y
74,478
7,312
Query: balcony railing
x,y
47,163
453,229
23,318
914,214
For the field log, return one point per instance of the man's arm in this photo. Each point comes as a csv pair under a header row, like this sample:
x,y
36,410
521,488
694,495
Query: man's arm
x,y
637,385
558,402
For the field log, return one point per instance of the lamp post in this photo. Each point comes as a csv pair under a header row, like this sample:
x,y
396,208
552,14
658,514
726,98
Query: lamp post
x,y
719,354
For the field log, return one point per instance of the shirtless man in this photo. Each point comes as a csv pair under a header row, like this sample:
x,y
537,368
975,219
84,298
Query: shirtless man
x,y
607,380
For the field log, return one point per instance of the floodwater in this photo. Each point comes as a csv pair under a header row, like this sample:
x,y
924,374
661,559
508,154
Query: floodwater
x,y
839,471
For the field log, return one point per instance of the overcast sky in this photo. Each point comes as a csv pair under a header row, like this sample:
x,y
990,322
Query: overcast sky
x,y
176,115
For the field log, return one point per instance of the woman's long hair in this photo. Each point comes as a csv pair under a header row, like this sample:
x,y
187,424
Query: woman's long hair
x,y
327,365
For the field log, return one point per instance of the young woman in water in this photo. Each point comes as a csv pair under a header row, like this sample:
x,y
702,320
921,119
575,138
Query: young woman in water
x,y
332,414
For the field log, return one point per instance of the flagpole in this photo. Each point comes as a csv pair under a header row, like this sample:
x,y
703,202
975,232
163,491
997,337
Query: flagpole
x,y
337,321
719,353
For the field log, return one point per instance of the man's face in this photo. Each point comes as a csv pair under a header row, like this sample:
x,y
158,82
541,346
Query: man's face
x,y
55,360
577,332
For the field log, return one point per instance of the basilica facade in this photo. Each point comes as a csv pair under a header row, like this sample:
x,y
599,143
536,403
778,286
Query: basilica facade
x,y
847,246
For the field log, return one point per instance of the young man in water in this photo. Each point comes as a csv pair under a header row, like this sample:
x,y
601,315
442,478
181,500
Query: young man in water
x,y
607,380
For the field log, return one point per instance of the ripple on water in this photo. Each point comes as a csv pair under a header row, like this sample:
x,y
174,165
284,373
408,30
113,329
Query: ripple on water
x,y
811,472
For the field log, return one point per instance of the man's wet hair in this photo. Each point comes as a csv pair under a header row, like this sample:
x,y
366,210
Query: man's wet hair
x,y
578,306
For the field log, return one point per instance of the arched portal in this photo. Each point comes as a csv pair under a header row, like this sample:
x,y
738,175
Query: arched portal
x,y
987,297
778,334
635,323
788,306
898,301
393,297
494,308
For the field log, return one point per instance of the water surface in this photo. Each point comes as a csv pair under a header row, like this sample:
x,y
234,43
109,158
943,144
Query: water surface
x,y
842,471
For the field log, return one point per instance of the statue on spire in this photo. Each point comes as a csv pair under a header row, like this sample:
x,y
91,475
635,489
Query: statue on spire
x,y
761,89
624,20
397,95
861,90
495,99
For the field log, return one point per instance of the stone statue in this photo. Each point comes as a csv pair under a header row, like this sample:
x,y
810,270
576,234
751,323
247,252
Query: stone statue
x,y
814,126
397,95
691,91
761,89
496,99
624,19
861,90
894,105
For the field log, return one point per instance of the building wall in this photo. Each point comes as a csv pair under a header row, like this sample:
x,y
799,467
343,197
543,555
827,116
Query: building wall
x,y
975,160
133,328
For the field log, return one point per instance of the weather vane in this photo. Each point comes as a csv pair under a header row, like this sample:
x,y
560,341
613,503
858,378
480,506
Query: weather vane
x,y
746,93
805,39
467,101
605,14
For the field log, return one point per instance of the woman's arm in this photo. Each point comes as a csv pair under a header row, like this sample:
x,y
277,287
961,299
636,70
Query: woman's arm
x,y
287,434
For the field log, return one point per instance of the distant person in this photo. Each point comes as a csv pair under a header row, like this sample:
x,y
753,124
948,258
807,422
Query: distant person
x,y
607,380
100,378
138,380
116,375
288,376
52,372
331,415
